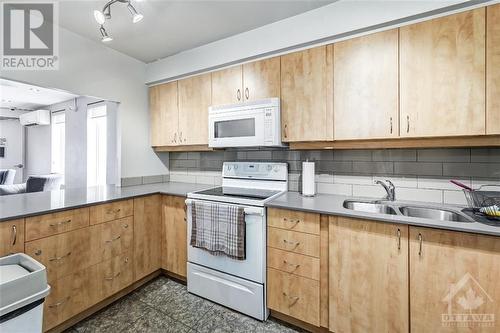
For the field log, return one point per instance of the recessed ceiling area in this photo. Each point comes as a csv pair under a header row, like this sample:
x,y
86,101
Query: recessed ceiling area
x,y
170,27
18,97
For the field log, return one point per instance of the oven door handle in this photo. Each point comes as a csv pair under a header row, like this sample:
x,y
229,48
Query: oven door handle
x,y
247,210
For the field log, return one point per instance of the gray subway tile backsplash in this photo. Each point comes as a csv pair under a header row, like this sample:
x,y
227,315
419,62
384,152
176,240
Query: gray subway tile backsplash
x,y
419,174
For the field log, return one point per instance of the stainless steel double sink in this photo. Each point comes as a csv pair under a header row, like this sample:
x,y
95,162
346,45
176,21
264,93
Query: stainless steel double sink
x,y
395,208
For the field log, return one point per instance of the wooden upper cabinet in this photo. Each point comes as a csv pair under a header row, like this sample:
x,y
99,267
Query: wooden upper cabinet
x,y
366,83
442,76
306,92
11,237
261,79
195,96
227,86
368,274
453,273
163,106
493,70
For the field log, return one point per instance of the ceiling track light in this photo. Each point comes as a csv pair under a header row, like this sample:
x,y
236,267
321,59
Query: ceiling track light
x,y
105,14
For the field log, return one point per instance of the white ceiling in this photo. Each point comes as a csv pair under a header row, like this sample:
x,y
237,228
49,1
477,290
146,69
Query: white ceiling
x,y
17,95
170,27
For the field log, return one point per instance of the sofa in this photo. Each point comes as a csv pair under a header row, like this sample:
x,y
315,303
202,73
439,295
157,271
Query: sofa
x,y
39,183
7,176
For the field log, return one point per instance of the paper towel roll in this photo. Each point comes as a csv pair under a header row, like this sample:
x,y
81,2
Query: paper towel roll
x,y
308,183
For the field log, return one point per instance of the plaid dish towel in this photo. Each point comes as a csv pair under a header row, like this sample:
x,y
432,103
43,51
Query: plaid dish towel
x,y
219,229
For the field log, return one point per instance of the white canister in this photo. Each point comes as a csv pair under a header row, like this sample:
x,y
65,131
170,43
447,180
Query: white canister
x,y
308,182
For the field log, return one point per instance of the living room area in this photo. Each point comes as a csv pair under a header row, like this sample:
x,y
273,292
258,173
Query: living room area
x,y
52,139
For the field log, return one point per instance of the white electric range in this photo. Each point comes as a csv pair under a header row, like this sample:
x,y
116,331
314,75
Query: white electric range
x,y
238,284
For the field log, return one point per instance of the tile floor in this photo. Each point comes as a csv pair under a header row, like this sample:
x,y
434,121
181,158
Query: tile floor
x,y
164,305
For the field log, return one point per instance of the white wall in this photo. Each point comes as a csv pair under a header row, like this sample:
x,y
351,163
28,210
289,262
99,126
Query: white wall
x,y
92,69
38,146
318,26
13,132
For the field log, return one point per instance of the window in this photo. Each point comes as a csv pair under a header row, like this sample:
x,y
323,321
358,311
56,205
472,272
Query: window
x,y
58,142
96,145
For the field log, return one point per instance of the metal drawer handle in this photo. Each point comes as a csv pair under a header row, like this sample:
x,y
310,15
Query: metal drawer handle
x,y
399,239
59,303
293,265
61,257
14,235
113,239
247,93
238,95
112,277
60,223
114,210
391,125
420,241
294,299
295,244
291,221
125,225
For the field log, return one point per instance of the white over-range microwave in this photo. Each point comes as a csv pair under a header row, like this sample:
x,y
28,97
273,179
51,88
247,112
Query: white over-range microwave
x,y
250,124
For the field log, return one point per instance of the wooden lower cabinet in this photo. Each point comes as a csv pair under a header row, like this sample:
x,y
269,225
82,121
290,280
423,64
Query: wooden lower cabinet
x,y
368,276
147,235
293,295
111,239
111,276
453,273
11,237
174,233
111,211
62,254
293,241
56,223
68,296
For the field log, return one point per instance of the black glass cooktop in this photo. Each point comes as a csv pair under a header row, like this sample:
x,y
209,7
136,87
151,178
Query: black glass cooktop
x,y
238,192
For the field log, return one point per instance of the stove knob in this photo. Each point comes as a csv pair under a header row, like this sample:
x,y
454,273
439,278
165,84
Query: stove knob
x,y
276,168
228,168
269,167
235,166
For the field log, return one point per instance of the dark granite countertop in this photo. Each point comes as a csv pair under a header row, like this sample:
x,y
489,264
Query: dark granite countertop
x,y
30,204
333,205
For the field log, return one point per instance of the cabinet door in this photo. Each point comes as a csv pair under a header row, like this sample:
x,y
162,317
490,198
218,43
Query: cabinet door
x,y
453,274
227,86
11,237
493,70
147,235
443,76
306,113
174,244
366,83
195,96
163,108
261,79
62,254
111,239
368,274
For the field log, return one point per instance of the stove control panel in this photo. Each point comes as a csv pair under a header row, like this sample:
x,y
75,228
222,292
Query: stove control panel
x,y
255,170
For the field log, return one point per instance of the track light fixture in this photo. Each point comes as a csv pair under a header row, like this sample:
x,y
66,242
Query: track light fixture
x,y
105,14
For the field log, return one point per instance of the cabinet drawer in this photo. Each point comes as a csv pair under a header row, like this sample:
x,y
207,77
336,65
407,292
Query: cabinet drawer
x,y
294,220
11,237
293,295
111,211
111,239
111,276
56,223
68,297
293,241
293,263
62,254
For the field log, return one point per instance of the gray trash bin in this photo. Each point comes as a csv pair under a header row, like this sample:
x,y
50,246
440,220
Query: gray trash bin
x,y
23,288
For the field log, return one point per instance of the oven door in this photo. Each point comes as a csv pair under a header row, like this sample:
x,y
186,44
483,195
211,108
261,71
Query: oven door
x,y
242,128
253,267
